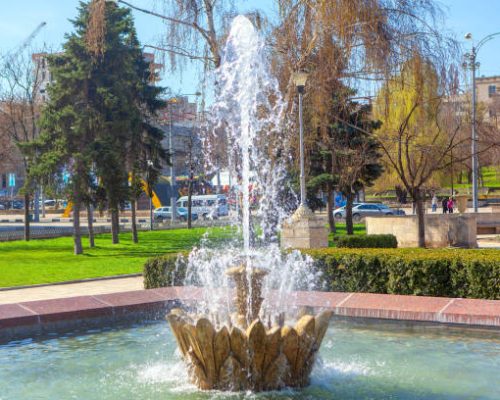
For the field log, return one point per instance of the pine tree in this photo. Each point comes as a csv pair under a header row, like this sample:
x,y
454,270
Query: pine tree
x,y
98,108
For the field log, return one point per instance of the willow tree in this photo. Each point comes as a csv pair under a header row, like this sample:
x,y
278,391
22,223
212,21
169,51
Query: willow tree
x,y
353,43
420,129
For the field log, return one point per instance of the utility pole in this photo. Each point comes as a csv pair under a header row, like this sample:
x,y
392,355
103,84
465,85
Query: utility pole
x,y
173,183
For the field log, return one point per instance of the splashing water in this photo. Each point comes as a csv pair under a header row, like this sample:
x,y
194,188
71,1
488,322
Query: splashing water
x,y
249,109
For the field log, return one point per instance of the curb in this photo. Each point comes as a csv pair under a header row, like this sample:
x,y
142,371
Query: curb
x,y
99,278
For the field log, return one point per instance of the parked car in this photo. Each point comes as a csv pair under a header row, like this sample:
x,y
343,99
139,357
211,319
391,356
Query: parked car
x,y
367,210
182,214
163,213
339,213
2,207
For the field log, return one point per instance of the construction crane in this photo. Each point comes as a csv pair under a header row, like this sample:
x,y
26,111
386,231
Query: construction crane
x,y
11,56
33,34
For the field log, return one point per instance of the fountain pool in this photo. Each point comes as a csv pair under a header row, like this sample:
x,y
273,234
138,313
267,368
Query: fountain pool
x,y
357,361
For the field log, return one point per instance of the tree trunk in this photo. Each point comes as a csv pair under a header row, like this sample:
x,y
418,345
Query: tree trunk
x,y
90,225
190,203
77,234
420,206
115,226
135,238
348,213
27,217
329,207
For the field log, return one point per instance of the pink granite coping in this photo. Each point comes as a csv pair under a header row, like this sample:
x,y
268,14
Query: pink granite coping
x,y
468,312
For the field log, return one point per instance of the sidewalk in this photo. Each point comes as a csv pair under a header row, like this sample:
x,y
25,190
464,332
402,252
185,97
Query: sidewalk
x,y
66,290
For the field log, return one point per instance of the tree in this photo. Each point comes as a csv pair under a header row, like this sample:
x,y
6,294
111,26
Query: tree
x,y
20,83
347,42
98,107
356,154
419,130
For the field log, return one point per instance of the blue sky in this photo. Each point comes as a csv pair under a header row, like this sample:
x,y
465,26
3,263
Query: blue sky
x,y
19,18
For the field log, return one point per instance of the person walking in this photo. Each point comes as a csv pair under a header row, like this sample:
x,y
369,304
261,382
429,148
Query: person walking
x,y
434,203
450,205
444,203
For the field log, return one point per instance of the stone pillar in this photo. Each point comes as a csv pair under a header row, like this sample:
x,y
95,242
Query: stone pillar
x,y
304,230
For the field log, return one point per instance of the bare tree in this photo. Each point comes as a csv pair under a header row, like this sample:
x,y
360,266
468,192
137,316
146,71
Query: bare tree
x,y
420,131
21,77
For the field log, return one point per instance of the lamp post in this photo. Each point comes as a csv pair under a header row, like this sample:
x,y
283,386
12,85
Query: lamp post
x,y
300,79
150,190
470,62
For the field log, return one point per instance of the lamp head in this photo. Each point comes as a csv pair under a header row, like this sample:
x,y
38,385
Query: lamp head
x,y
468,36
300,79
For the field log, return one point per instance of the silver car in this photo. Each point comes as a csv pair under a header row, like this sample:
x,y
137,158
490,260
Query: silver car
x,y
367,210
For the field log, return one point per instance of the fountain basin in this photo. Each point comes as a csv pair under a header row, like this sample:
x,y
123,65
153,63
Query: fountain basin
x,y
357,360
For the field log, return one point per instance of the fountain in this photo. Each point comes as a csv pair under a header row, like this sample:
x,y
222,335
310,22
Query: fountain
x,y
246,334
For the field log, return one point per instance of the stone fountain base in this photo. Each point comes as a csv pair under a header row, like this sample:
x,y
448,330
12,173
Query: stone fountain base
x,y
232,358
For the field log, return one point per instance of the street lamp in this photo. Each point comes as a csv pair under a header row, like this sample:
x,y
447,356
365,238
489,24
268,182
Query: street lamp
x,y
470,62
150,190
300,79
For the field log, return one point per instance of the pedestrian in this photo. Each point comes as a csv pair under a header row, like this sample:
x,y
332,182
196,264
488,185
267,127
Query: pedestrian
x,y
434,203
444,203
450,205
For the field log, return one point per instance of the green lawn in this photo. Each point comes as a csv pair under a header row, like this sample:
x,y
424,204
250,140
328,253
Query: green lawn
x,y
52,260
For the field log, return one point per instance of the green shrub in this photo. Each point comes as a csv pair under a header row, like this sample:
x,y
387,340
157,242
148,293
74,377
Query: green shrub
x,y
423,272
366,241
163,271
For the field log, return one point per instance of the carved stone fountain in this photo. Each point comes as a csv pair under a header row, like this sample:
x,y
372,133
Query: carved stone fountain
x,y
247,353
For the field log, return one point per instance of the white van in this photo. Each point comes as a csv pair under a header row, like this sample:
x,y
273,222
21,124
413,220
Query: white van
x,y
206,205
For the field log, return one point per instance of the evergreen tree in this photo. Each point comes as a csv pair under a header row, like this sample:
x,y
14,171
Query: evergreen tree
x,y
356,154
98,108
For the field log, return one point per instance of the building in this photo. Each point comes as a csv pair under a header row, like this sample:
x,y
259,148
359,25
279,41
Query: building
x,y
179,119
43,77
488,94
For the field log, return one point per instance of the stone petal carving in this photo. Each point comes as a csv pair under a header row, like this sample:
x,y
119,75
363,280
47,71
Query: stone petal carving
x,y
222,347
256,334
276,373
239,346
205,333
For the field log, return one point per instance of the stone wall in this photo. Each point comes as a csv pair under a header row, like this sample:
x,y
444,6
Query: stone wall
x,y
441,230
488,223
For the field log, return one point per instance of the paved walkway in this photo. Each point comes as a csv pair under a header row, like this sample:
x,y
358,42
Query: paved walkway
x,y
90,288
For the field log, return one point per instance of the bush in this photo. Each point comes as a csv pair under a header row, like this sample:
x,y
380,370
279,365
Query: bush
x,y
366,241
422,272
163,271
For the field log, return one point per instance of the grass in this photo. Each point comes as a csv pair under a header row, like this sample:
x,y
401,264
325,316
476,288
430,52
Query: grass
x,y
52,260
490,179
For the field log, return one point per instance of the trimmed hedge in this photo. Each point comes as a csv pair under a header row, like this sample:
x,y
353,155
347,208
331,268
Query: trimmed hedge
x,y
163,271
422,272
366,241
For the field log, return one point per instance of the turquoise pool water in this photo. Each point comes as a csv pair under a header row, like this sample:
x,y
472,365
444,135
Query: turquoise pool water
x,y
358,362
